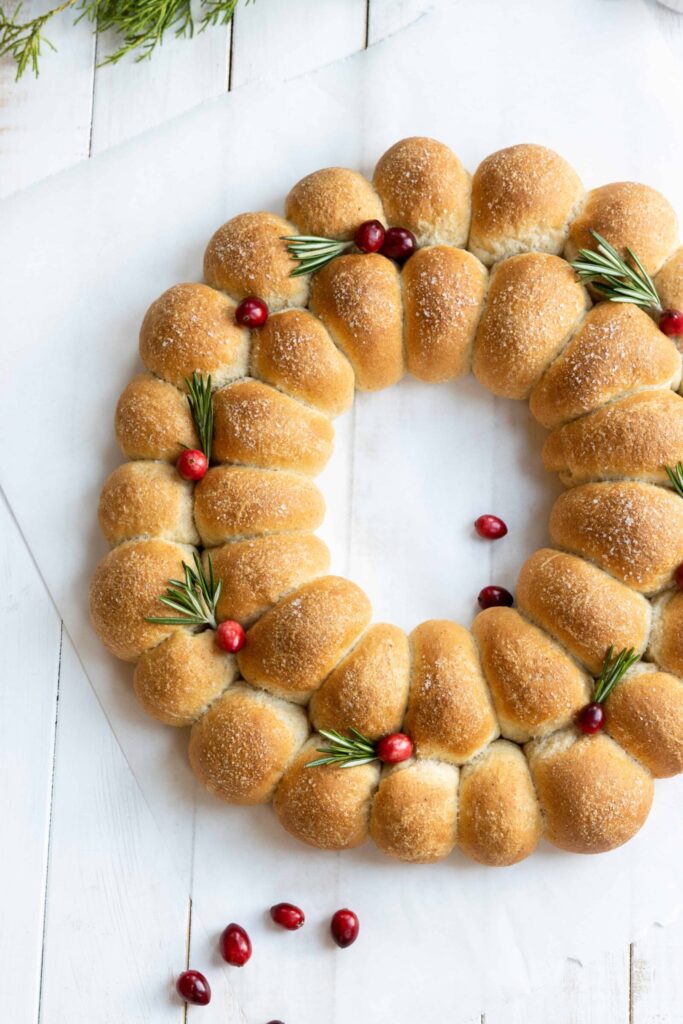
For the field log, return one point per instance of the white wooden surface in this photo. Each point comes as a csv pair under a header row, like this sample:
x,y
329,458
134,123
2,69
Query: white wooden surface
x,y
90,930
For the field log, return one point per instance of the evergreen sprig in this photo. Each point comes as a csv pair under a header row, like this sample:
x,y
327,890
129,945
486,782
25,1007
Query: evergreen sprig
x,y
312,252
675,474
201,406
345,751
614,667
194,598
614,278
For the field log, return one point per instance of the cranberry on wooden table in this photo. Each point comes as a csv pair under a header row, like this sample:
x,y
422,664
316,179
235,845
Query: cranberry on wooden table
x,y
394,748
490,527
495,597
671,322
252,312
193,987
399,244
369,236
287,916
192,464
235,945
344,927
230,636
591,719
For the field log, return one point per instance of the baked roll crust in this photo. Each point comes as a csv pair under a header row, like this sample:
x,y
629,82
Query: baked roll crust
x,y
153,420
332,202
666,640
645,716
669,281
146,499
415,811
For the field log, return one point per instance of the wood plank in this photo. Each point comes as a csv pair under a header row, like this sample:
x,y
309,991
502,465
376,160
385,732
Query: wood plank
x,y
656,979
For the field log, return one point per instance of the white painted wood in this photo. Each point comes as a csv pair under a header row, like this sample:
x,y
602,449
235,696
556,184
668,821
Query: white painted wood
x,y
656,977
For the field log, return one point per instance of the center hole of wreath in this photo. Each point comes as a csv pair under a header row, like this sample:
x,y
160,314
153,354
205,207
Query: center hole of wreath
x,y
412,469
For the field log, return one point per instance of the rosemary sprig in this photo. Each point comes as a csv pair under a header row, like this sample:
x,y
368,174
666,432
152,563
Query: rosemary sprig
x,y
23,41
675,474
195,598
201,407
615,278
312,252
614,667
346,752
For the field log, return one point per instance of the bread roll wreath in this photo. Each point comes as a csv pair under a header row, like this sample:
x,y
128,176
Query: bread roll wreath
x,y
551,718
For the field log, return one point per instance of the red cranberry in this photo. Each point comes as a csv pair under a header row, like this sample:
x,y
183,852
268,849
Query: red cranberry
x,y
394,748
251,312
490,527
671,322
399,244
495,597
235,945
369,237
591,719
230,636
193,988
679,576
288,916
192,464
344,927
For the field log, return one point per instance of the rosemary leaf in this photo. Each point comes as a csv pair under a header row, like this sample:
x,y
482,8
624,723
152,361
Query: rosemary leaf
x,y
201,407
312,252
613,671
345,751
195,597
675,474
614,278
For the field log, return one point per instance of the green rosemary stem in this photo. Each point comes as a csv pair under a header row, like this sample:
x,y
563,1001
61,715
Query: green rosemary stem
x,y
613,671
345,751
194,598
614,278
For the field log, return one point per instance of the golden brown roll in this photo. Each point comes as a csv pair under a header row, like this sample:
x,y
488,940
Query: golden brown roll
x,y
368,689
176,681
332,202
358,298
450,715
581,606
153,420
593,795
415,811
534,304
192,328
634,437
326,806
294,353
295,645
247,256
126,587
241,747
666,641
424,187
644,714
500,820
523,198
147,499
616,351
669,281
634,531
626,214
536,687
443,294
235,502
257,573
257,425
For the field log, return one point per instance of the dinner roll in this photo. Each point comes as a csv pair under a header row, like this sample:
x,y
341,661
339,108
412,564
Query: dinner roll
x,y
326,806
295,645
443,294
294,352
241,747
415,811
368,689
626,214
332,202
147,499
593,795
424,187
634,531
234,502
450,715
644,714
256,425
256,573
581,606
634,437
534,304
617,350
192,328
153,420
669,282
666,641
523,198
358,298
500,821
126,587
536,687
176,681
247,256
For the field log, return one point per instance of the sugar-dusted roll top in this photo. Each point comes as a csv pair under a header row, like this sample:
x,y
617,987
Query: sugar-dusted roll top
x,y
332,203
669,282
535,302
626,214
146,499
415,811
443,292
247,256
450,715
425,188
153,420
192,327
593,795
666,640
644,714
523,199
